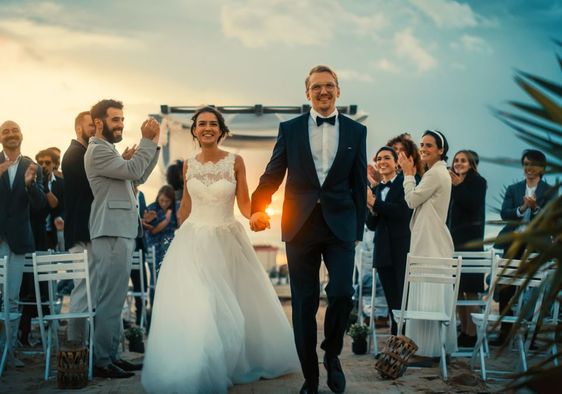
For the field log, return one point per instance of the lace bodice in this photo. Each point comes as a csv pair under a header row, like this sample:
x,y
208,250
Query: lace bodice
x,y
212,187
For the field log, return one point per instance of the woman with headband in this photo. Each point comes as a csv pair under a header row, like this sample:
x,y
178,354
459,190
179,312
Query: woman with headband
x,y
431,238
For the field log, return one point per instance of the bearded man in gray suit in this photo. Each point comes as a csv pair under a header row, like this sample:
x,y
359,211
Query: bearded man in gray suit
x,y
114,225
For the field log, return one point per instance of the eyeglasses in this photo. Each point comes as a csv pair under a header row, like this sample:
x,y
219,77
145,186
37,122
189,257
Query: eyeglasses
x,y
317,87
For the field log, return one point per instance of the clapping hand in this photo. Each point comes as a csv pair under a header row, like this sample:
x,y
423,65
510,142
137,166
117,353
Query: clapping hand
x,y
168,215
59,224
373,175
259,221
407,164
128,153
530,202
151,129
455,179
30,174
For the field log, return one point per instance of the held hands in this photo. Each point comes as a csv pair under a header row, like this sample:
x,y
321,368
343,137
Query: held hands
x,y
149,216
128,153
407,164
151,129
30,174
259,221
455,179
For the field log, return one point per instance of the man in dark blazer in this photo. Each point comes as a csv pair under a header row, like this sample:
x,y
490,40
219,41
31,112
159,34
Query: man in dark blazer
x,y
522,202
389,217
21,188
78,199
323,154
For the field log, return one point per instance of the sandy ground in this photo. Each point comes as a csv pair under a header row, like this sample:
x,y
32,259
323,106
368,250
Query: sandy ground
x,y
359,370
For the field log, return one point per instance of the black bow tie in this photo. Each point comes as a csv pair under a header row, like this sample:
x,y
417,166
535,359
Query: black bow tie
x,y
331,120
385,185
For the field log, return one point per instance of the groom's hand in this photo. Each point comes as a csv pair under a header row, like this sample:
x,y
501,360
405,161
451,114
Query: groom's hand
x,y
259,221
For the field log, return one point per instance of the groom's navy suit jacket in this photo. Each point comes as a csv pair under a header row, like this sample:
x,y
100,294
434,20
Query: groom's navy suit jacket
x,y
342,197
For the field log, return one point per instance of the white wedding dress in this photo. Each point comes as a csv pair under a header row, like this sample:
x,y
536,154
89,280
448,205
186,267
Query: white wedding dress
x,y
216,320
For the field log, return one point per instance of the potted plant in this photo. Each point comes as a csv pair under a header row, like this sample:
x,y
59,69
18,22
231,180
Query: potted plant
x,y
359,333
135,336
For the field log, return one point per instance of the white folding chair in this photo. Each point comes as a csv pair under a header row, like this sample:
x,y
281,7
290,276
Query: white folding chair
x,y
151,261
5,315
506,273
476,262
28,269
138,265
50,269
434,270
373,340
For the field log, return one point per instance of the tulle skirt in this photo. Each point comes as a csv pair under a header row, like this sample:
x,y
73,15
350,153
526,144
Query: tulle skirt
x,y
216,319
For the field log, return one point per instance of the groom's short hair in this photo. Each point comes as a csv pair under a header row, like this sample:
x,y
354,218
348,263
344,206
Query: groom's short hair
x,y
320,69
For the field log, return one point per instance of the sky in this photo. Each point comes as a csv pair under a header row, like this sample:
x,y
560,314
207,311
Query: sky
x,y
411,65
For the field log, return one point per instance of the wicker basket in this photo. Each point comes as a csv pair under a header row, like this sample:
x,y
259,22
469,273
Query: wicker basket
x,y
393,360
72,371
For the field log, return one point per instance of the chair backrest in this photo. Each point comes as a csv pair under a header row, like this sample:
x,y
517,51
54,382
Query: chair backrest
x,y
439,270
477,262
136,264
4,282
507,274
28,259
51,268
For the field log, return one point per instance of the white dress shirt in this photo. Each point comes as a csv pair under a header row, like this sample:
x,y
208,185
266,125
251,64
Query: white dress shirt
x,y
385,191
12,169
324,141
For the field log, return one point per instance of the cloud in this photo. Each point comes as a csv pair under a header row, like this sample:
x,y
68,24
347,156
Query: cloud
x,y
257,23
386,65
354,75
408,46
448,13
472,44
43,37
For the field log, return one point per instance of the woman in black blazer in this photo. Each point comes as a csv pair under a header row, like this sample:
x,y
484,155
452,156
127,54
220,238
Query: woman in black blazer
x,y
389,216
466,223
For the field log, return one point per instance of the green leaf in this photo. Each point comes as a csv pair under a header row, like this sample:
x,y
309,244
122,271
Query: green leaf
x,y
550,86
553,110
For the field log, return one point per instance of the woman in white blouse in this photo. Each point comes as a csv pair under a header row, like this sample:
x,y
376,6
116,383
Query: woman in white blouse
x,y
431,238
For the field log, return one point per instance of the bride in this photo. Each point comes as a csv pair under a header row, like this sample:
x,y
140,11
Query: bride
x,y
216,318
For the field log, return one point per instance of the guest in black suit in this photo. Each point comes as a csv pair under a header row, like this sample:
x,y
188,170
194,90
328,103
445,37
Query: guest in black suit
x,y
21,188
522,202
389,216
78,199
466,223
53,186
324,156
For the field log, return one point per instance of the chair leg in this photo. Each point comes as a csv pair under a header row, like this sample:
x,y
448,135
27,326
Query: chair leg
x,y
522,352
443,353
91,350
48,353
4,356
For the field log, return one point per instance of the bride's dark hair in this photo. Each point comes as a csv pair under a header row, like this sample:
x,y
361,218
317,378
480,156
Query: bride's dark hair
x,y
225,131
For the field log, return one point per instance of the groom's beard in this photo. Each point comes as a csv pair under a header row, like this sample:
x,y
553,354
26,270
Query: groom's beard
x,y
109,135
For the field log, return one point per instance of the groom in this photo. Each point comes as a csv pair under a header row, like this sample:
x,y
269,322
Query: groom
x,y
324,211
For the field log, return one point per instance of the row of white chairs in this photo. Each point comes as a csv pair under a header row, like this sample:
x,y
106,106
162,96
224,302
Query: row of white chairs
x,y
50,268
449,271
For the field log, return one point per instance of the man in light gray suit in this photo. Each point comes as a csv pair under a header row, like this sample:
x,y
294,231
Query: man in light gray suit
x,y
114,225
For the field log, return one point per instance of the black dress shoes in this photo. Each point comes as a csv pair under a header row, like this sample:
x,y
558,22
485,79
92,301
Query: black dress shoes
x,y
111,371
336,378
309,388
127,366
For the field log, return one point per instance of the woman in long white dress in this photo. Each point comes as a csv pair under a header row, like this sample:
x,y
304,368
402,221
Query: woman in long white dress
x,y
430,238
216,320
